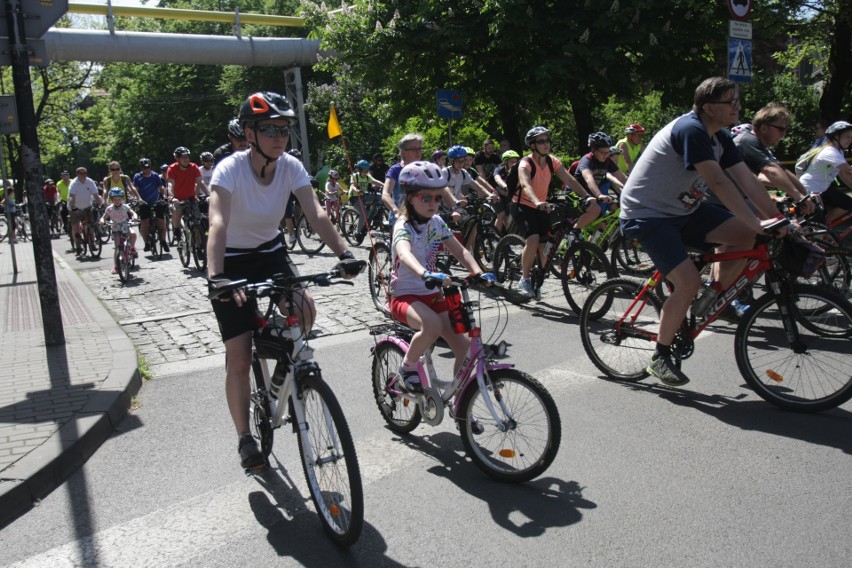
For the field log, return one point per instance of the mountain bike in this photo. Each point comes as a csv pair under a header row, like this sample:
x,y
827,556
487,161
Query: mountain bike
x,y
193,227
375,219
792,346
88,239
580,268
508,421
295,394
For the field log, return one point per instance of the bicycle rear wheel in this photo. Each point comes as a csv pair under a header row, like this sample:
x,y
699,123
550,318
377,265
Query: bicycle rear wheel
x,y
584,267
487,238
329,461
525,441
401,414
349,227
811,375
309,240
618,342
378,270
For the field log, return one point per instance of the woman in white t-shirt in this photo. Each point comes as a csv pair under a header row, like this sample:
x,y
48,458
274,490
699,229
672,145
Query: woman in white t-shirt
x,y
250,194
828,164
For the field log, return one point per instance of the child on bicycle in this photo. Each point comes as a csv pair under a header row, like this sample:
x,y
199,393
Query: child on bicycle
x,y
418,234
333,190
120,214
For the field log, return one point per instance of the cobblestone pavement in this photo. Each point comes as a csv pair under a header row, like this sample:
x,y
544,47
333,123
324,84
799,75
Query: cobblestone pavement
x,y
165,312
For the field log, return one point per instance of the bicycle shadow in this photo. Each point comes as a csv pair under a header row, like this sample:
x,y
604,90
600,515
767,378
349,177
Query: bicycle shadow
x,y
831,428
295,531
526,509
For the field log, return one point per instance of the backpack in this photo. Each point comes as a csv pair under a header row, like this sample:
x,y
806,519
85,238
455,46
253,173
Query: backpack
x,y
804,161
513,184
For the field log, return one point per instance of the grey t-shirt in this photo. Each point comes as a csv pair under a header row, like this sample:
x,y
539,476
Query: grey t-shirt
x,y
664,182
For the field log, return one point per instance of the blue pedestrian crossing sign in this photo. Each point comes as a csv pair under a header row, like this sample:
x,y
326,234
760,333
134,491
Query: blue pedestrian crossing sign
x,y
739,60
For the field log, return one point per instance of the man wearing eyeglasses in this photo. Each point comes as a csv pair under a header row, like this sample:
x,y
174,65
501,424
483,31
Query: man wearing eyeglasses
x,y
410,150
769,126
662,205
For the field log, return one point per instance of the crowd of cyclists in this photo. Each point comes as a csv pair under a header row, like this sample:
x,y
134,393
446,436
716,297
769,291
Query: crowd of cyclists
x,y
701,182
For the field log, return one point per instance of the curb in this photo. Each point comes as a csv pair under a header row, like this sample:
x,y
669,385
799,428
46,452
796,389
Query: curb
x,y
45,468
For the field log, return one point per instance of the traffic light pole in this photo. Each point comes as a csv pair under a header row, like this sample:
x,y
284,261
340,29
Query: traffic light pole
x,y
51,315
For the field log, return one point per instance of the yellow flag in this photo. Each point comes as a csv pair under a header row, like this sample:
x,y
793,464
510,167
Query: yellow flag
x,y
333,124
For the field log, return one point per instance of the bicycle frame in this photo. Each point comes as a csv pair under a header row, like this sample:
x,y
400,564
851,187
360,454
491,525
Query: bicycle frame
x,y
760,264
474,366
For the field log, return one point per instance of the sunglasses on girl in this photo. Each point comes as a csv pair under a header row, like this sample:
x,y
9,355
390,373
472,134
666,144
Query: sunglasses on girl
x,y
427,198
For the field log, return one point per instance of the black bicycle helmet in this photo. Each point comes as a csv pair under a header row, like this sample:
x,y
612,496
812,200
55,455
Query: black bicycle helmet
x,y
534,133
265,105
182,151
144,163
235,130
599,140
206,157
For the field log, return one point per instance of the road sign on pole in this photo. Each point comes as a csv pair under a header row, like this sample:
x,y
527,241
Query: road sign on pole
x,y
39,16
449,103
739,60
8,115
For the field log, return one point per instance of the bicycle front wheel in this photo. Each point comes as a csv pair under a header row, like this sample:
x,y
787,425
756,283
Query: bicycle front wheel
x,y
199,249
183,246
379,271
628,258
330,463
487,238
507,260
349,227
812,374
584,267
309,240
123,264
618,336
401,415
525,440
94,241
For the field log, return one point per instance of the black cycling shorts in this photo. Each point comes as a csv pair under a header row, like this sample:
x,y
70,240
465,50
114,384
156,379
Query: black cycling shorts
x,y
145,210
533,221
254,267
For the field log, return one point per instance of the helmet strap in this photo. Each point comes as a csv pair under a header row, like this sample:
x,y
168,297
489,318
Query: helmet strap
x,y
269,160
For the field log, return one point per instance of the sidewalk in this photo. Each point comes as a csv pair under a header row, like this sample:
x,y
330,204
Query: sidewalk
x,y
57,404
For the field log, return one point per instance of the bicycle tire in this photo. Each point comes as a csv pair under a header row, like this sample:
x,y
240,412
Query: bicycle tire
x,y
309,240
104,236
486,241
123,264
199,250
349,227
630,259
507,260
527,440
379,271
330,463
154,243
183,246
94,242
584,267
4,227
812,377
620,350
401,415
835,272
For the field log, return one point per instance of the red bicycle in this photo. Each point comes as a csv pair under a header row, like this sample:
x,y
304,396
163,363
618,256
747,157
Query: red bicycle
x,y
792,346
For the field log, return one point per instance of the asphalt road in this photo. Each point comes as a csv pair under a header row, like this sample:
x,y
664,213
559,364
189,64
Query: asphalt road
x,y
709,475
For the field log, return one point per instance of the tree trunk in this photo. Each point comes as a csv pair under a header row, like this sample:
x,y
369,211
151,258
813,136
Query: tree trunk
x,y
583,120
839,76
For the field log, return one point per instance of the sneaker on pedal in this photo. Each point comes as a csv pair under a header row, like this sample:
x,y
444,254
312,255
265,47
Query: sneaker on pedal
x,y
525,288
291,240
147,248
663,368
250,455
410,380
165,246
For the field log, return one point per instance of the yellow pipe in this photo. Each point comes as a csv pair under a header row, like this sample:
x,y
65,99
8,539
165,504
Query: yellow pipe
x,y
178,14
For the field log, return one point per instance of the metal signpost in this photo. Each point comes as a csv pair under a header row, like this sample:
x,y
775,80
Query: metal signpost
x,y
25,19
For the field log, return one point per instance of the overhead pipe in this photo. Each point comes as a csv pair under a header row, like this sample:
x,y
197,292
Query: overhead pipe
x,y
189,49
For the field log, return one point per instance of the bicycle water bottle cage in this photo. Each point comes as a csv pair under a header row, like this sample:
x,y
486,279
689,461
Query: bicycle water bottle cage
x,y
270,344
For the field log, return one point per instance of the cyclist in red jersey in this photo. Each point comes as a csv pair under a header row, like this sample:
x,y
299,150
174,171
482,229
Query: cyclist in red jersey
x,y
184,181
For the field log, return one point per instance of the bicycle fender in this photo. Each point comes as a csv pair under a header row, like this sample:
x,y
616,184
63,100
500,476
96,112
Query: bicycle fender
x,y
399,342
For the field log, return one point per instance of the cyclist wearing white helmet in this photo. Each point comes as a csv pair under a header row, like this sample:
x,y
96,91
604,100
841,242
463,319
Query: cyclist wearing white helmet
x,y
333,191
417,235
120,214
630,146
250,194
533,210
828,164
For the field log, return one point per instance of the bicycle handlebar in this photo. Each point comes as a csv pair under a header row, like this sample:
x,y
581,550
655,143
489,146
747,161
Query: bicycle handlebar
x,y
282,283
466,282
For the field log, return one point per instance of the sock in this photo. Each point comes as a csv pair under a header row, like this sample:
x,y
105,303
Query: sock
x,y
662,350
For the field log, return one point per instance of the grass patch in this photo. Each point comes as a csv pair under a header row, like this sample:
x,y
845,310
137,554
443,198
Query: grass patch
x,y
144,370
